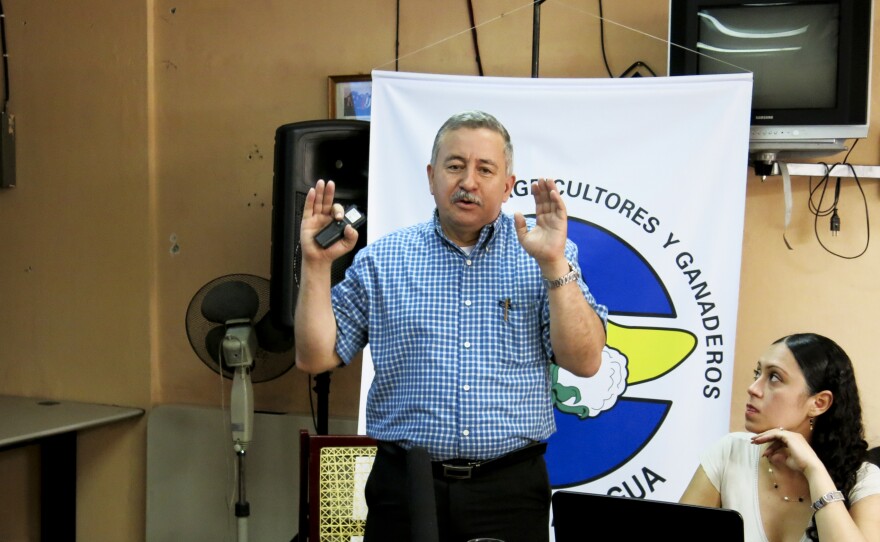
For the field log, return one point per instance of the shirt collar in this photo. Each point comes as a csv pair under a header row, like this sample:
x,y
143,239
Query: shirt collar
x,y
486,233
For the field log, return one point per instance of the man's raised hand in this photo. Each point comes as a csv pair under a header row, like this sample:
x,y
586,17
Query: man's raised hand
x,y
546,241
318,211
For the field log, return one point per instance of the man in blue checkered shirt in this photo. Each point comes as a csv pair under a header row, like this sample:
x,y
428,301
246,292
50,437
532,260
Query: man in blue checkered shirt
x,y
463,315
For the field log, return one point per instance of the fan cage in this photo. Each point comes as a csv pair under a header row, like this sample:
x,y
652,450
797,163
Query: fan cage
x,y
267,365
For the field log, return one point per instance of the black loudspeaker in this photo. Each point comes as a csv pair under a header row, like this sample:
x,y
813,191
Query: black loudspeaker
x,y
336,150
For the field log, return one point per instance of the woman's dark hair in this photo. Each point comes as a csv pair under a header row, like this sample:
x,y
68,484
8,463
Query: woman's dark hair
x,y
838,436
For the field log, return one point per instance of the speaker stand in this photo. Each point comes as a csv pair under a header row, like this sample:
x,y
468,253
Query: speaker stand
x,y
536,35
322,389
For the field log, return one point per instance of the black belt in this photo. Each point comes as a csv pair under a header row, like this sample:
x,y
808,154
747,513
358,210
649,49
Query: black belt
x,y
468,468
462,469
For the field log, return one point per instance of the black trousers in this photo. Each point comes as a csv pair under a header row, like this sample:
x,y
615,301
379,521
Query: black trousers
x,y
511,503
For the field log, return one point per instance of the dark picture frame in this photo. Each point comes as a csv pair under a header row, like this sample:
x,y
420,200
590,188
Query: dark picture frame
x,y
349,96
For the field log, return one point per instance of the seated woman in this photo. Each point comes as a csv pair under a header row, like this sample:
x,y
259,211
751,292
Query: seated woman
x,y
800,473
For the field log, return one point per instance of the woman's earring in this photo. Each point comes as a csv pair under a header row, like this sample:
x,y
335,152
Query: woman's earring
x,y
811,423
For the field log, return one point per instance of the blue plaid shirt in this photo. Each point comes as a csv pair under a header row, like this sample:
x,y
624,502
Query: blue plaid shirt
x,y
455,372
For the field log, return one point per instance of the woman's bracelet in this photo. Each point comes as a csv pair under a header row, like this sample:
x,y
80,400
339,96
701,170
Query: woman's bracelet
x,y
829,497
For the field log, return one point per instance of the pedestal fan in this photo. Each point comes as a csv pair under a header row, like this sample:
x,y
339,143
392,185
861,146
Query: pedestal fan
x,y
229,327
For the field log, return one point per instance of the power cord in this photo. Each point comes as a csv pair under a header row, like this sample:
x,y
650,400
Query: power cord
x,y
5,56
633,70
470,6
602,40
397,39
834,221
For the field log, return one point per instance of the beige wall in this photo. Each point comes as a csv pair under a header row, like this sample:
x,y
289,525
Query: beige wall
x,y
76,276
139,121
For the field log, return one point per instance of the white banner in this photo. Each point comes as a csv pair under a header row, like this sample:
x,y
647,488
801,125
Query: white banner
x,y
653,173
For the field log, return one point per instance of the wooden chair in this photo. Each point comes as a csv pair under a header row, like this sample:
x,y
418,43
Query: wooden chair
x,y
333,471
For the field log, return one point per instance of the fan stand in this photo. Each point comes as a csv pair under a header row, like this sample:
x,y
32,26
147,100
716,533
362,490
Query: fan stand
x,y
242,415
242,507
230,329
239,349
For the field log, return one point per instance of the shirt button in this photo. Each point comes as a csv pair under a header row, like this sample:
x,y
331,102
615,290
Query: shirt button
x,y
467,344
468,262
467,303
465,432
466,387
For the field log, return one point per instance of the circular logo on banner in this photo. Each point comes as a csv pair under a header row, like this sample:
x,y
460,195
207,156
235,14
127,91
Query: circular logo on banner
x,y
599,428
638,426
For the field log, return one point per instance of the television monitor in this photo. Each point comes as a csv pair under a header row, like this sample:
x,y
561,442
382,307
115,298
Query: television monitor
x,y
810,61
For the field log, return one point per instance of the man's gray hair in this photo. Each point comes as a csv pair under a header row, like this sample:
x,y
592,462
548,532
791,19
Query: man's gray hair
x,y
474,120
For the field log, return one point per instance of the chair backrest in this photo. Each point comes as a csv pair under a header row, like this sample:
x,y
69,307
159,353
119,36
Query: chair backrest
x,y
333,472
873,455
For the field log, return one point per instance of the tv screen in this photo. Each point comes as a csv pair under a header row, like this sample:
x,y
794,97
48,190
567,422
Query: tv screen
x,y
810,61
792,47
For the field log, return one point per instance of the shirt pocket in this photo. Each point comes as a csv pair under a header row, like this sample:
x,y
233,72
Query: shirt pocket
x,y
520,327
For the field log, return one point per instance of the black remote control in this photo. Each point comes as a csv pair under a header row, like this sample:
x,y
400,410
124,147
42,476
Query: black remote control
x,y
333,231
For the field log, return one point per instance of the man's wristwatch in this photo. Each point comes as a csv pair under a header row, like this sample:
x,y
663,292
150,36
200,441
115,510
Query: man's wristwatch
x,y
829,497
571,276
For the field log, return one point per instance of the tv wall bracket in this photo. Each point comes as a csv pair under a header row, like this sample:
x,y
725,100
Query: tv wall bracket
x,y
820,170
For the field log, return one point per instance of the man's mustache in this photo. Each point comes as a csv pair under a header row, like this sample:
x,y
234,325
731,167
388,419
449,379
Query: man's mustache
x,y
465,196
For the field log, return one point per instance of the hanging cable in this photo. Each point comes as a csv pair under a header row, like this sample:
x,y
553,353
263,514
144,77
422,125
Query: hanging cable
x,y
834,221
816,208
397,40
602,40
5,57
633,70
835,218
470,6
564,4
846,158
455,35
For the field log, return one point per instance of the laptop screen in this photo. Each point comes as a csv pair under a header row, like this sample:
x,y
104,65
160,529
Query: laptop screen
x,y
575,516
